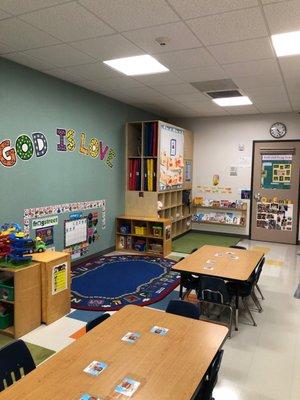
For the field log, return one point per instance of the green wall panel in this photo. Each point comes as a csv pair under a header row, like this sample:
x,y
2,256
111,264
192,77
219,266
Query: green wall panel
x,y
31,101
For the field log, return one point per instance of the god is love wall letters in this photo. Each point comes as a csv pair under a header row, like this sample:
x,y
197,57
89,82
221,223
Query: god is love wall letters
x,y
27,147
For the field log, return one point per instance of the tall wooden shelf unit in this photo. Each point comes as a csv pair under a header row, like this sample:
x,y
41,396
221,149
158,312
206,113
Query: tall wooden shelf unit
x,y
144,200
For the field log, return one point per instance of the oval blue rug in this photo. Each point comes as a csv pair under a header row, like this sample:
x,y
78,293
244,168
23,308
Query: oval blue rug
x,y
110,283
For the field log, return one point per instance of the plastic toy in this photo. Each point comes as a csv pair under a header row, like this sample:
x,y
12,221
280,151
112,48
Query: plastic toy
x,y
4,246
20,247
39,245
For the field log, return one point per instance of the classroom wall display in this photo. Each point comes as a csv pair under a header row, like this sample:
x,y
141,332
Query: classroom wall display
x,y
75,231
44,222
277,216
59,278
171,157
214,189
46,234
36,145
276,171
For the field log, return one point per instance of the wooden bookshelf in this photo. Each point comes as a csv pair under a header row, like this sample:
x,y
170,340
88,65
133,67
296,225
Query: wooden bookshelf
x,y
26,307
140,235
139,199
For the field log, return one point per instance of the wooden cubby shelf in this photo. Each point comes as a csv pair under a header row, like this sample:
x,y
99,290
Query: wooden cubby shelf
x,y
144,196
143,235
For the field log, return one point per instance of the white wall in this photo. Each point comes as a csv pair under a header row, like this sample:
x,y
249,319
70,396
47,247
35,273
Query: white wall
x,y
216,141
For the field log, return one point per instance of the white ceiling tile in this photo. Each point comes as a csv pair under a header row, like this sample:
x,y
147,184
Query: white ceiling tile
x,y
61,73
183,59
94,71
180,38
164,78
68,22
295,100
188,98
259,81
108,47
21,36
283,17
274,107
203,106
200,8
3,14
242,110
293,87
131,14
17,7
271,1
247,50
252,68
29,61
118,83
229,27
6,49
60,55
177,89
290,67
202,74
267,94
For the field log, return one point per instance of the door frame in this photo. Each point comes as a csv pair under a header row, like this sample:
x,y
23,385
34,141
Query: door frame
x,y
252,174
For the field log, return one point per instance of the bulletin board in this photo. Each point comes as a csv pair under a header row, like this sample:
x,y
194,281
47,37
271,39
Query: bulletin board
x,y
276,171
76,231
171,157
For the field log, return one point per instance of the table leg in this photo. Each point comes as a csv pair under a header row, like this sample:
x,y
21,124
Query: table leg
x,y
237,310
180,289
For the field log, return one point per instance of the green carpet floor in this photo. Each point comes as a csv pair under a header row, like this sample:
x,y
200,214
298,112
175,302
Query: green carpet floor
x,y
39,354
192,240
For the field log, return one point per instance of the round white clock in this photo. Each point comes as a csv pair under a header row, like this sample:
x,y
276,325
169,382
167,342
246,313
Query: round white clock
x,y
278,130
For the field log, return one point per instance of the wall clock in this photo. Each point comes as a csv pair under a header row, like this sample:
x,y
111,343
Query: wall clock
x,y
278,130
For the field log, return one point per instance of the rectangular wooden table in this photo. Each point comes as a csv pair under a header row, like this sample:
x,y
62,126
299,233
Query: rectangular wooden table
x,y
169,367
222,262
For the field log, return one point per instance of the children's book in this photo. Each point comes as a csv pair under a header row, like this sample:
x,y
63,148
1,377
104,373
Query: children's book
x,y
127,387
159,330
131,337
95,368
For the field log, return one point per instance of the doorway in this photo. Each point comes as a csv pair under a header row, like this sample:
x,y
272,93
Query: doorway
x,y
274,213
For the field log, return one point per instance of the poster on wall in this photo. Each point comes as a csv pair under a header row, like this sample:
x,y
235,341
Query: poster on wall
x,y
171,157
46,234
76,231
276,171
274,216
59,278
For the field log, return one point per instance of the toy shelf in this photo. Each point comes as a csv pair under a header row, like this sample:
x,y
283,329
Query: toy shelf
x,y
218,223
143,235
244,209
25,308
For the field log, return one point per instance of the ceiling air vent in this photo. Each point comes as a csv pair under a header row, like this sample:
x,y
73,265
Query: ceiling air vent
x,y
224,94
215,86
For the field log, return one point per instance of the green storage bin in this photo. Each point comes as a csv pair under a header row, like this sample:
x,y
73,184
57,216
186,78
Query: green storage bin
x,y
6,320
7,290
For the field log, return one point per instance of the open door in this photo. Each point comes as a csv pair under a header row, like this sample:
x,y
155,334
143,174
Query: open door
x,y
275,191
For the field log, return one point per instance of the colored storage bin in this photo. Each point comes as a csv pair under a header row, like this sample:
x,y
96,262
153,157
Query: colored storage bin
x,y
140,230
7,290
6,320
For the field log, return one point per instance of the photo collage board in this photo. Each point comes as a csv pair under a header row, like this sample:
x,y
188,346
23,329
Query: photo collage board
x,y
278,216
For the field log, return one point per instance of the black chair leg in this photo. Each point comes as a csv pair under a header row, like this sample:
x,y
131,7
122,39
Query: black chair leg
x,y
260,292
248,311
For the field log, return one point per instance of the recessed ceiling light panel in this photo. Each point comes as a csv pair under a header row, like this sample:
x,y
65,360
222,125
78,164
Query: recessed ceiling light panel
x,y
286,44
233,101
137,65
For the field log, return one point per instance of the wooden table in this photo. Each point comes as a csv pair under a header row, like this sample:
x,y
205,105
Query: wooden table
x,y
169,367
223,266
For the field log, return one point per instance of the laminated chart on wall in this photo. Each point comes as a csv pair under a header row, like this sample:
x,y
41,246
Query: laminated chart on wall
x,y
274,216
171,157
59,278
76,231
276,171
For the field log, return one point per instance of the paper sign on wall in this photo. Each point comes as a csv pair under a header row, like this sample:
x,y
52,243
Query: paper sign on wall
x,y
44,222
59,278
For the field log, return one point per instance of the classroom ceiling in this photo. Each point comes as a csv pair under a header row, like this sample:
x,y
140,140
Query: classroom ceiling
x,y
209,40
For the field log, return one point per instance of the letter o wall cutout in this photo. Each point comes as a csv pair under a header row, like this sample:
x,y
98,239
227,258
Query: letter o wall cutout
x,y
24,147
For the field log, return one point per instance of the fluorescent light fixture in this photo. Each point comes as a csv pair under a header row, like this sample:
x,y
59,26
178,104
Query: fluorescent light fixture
x,y
137,65
286,44
233,101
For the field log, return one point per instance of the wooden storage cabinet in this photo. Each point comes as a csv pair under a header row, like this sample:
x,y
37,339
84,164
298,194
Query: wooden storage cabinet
x,y
141,199
26,306
143,235
54,304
